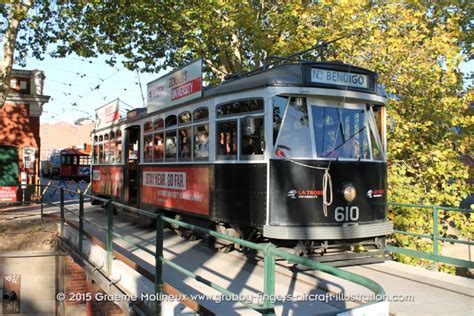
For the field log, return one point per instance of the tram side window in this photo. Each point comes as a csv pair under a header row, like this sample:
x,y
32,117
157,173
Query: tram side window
x,y
118,151
252,139
227,140
96,153
158,147
184,140
148,145
101,153
106,153
201,142
294,139
170,145
279,106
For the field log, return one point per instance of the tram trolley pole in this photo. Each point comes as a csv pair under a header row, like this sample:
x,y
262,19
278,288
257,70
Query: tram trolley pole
x,y
110,227
158,264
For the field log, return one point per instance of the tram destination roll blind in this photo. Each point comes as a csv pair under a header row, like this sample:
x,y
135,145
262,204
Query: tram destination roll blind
x,y
339,78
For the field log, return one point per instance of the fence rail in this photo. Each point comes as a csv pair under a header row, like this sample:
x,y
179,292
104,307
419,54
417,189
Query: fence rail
x,y
270,253
434,236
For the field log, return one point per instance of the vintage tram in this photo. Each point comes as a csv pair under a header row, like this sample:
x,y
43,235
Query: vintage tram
x,y
75,163
294,154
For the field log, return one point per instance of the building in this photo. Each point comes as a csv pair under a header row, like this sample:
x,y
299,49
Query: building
x,y
20,141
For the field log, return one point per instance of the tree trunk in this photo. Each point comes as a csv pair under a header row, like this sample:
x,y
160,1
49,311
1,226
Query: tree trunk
x,y
18,12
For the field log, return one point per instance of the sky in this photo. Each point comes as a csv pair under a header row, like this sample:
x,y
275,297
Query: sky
x,y
78,86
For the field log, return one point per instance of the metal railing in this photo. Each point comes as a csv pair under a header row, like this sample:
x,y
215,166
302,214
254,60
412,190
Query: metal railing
x,y
270,253
434,237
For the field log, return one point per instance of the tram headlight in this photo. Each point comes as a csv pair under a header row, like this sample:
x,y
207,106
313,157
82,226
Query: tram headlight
x,y
349,192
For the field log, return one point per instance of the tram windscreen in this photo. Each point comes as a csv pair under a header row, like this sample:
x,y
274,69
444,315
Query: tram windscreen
x,y
340,132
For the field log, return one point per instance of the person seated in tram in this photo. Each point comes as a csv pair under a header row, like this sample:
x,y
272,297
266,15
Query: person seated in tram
x,y
203,145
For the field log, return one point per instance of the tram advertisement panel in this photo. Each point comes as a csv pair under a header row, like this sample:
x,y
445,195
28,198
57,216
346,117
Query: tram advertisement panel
x,y
107,180
184,189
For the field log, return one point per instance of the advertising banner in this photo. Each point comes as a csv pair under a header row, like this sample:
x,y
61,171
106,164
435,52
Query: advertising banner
x,y
177,87
107,180
184,189
107,114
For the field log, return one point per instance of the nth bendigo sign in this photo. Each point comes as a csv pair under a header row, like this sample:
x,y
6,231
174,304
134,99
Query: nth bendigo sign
x,y
177,87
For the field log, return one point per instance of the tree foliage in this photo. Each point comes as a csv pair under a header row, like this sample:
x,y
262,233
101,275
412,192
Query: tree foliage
x,y
416,47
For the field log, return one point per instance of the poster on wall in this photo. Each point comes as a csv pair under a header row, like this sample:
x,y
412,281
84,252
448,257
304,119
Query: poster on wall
x,y
29,158
184,189
7,194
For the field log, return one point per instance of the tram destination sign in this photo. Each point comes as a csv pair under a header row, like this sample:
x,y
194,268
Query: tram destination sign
x,y
177,87
339,78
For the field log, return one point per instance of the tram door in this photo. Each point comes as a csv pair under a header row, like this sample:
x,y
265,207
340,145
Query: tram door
x,y
132,159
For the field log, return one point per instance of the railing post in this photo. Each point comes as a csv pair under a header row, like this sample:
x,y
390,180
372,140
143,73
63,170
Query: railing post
x,y
62,210
158,264
269,280
81,222
42,209
435,236
110,227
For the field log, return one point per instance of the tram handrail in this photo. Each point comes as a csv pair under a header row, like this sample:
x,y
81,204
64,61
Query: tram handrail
x,y
434,236
269,251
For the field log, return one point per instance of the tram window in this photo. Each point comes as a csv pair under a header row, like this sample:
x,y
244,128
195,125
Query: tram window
x,y
243,106
170,145
170,121
101,138
184,118
148,127
111,152
148,146
106,137
158,146
101,153
294,139
112,135
201,142
106,153
279,106
118,150
340,133
184,141
84,160
227,140
96,153
159,123
201,114
96,139
375,121
119,134
252,140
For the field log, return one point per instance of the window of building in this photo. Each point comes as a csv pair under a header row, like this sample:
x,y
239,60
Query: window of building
x,y
185,118
201,142
158,147
184,140
170,145
252,140
227,140
148,146
201,114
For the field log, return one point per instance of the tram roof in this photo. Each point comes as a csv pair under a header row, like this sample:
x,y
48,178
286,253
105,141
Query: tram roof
x,y
297,74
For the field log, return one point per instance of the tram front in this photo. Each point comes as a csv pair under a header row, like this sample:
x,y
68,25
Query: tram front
x,y
328,171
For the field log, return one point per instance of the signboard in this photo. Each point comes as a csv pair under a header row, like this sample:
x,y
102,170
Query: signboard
x,y
339,78
184,189
29,158
107,114
7,194
177,87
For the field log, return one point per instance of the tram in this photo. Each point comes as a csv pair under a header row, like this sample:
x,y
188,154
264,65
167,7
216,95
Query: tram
x,y
75,163
294,154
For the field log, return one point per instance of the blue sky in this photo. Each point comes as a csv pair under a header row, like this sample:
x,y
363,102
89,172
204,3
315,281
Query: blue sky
x,y
78,86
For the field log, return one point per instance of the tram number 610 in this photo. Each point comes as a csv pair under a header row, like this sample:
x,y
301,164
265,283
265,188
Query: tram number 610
x,y
346,214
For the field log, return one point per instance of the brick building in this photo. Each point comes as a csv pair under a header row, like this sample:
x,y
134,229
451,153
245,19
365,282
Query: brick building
x,y
20,142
